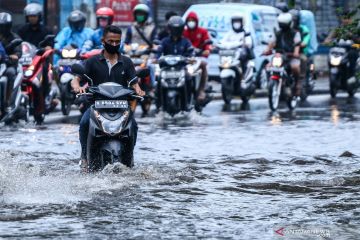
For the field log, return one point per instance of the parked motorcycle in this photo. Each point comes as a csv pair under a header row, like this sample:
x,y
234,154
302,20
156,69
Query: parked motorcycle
x,y
281,82
234,81
18,108
340,76
176,88
112,130
38,81
139,55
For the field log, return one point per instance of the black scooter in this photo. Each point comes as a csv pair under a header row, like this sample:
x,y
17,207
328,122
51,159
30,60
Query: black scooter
x,y
112,129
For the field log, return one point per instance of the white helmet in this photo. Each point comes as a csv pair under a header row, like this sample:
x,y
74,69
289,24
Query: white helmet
x,y
285,20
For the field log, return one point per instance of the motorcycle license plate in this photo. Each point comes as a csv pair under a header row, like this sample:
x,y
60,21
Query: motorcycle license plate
x,y
111,104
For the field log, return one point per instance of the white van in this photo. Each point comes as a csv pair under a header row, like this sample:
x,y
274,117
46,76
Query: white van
x,y
260,21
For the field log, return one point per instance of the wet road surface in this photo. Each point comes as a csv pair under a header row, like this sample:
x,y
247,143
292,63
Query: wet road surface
x,y
231,173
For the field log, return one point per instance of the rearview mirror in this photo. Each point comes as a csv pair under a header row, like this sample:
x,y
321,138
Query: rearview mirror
x,y
78,69
157,42
48,41
13,44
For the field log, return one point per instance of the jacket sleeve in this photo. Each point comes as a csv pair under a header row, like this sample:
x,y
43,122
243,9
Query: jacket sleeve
x,y
205,38
60,39
305,36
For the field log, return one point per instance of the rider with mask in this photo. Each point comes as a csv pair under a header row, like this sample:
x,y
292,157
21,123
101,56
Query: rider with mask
x,y
6,36
142,31
198,37
104,17
239,34
288,41
76,34
33,31
305,40
109,66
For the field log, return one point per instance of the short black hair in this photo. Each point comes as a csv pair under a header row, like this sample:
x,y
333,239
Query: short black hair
x,y
113,29
170,14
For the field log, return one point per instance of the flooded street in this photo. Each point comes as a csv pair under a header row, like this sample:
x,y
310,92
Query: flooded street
x,y
227,174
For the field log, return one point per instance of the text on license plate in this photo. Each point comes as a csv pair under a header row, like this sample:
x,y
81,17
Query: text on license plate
x,y
111,104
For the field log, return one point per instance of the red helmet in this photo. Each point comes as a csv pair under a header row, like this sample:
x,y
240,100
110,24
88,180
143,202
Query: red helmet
x,y
105,12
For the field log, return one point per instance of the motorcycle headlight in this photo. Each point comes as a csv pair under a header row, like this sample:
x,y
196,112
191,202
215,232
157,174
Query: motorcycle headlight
x,y
225,61
191,70
277,62
335,61
65,53
28,73
112,127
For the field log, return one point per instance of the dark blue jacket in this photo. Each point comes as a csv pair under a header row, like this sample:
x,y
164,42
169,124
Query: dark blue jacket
x,y
181,47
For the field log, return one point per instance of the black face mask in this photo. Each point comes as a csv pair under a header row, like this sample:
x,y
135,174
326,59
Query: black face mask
x,y
111,48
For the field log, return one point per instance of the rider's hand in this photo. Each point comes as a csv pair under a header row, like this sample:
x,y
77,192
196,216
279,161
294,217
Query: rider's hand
x,y
79,89
138,90
14,57
296,55
206,53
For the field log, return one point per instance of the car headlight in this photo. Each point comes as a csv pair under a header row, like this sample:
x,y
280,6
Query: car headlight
x,y
112,127
277,62
335,61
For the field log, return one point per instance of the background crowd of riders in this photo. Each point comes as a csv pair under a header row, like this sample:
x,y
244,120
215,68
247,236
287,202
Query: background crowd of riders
x,y
179,37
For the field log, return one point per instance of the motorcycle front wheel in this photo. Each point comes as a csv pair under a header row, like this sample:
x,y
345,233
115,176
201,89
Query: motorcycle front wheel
x,y
274,94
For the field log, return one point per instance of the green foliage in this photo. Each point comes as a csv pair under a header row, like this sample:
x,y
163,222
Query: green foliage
x,y
352,29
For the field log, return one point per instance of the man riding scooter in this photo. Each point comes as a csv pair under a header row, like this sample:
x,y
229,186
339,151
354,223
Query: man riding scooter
x,y
109,66
6,36
199,38
288,41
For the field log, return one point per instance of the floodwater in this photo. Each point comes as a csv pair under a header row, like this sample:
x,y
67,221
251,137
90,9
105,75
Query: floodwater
x,y
227,174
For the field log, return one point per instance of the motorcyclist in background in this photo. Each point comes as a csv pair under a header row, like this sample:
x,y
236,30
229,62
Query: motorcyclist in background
x,y
76,34
33,31
305,41
346,31
175,44
239,34
288,40
104,17
198,37
142,32
165,32
6,36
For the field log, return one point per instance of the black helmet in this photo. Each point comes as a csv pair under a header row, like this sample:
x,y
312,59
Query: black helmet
x,y
5,23
176,26
77,20
295,17
282,6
